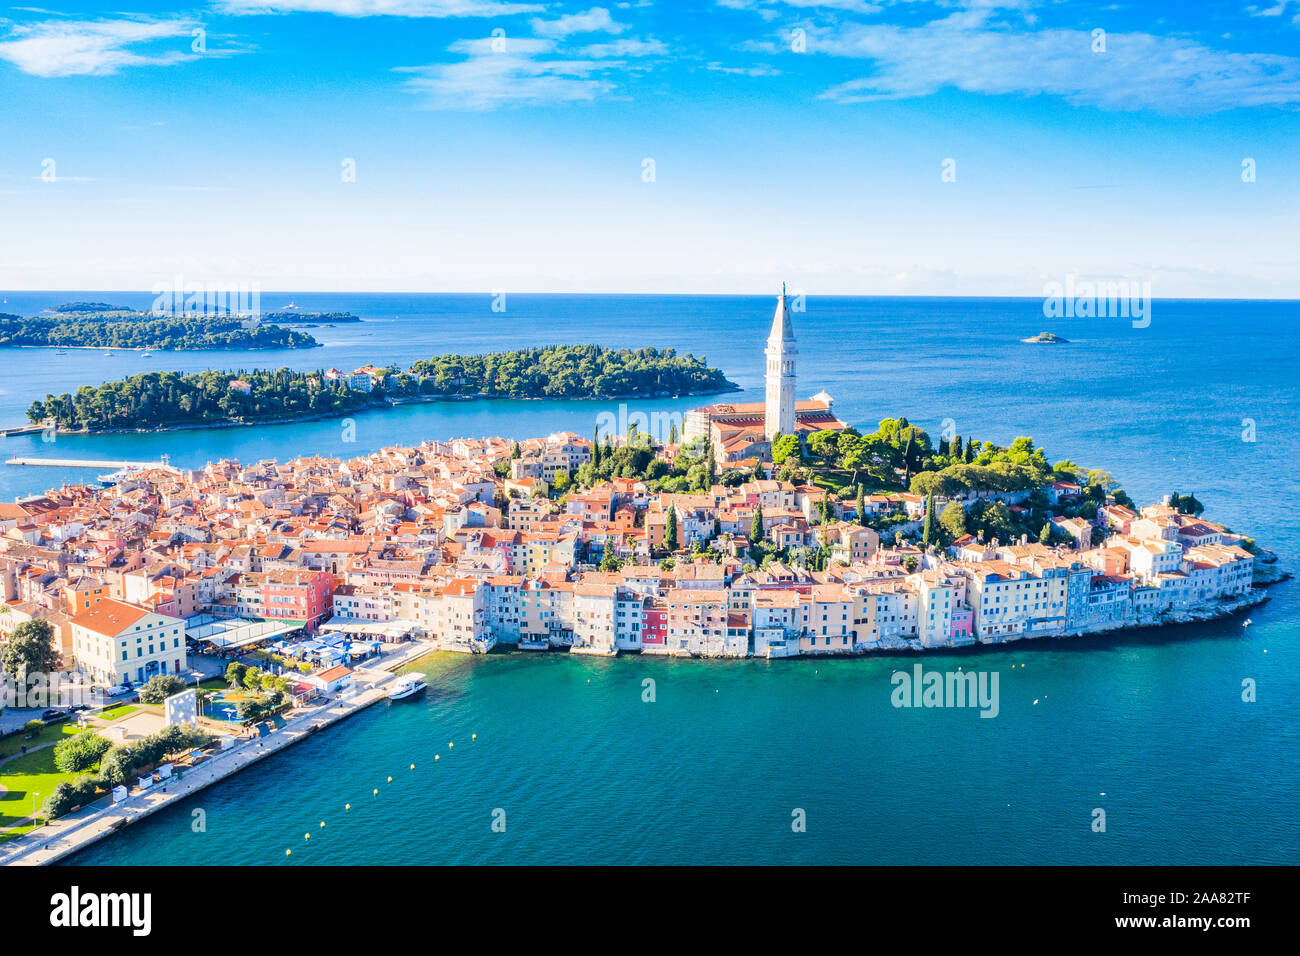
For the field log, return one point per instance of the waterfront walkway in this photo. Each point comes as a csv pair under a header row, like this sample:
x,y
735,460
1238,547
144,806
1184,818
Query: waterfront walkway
x,y
76,831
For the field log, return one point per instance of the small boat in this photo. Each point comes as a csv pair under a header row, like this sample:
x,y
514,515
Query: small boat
x,y
145,354
61,352
1246,623
527,645
408,685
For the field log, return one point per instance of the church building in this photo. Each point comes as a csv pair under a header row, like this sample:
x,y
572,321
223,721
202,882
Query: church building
x,y
744,431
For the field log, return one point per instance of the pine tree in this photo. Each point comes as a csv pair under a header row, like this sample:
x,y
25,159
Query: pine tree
x,y
1045,536
756,526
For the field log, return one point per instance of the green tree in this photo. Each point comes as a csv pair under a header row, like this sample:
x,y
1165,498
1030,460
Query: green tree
x,y
670,529
952,520
861,506
1045,535
30,651
159,687
672,433
756,525
80,752
927,530
785,447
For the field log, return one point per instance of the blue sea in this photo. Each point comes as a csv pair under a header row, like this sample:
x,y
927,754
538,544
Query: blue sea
x,y
1148,726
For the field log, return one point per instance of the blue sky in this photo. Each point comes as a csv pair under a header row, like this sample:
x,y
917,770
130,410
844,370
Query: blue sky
x,y
502,145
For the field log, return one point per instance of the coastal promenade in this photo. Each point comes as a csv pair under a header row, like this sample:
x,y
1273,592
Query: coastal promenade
x,y
65,836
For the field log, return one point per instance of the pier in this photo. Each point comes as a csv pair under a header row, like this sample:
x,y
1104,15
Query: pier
x,y
85,463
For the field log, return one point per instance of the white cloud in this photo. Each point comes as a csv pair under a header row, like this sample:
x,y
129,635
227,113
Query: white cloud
x,y
760,69
520,74
74,48
595,20
629,46
1137,71
379,8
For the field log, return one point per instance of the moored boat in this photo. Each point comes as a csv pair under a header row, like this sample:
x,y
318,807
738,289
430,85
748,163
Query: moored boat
x,y
408,685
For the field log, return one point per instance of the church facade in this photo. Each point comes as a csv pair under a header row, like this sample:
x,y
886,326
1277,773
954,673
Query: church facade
x,y
743,432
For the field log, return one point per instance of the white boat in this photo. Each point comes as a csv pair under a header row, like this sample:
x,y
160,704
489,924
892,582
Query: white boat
x,y
529,645
408,685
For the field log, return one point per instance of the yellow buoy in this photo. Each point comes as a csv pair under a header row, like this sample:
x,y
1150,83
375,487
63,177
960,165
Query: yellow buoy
x,y
288,852
322,824
390,779
376,791
306,836
473,736
437,756
412,766
347,806
451,745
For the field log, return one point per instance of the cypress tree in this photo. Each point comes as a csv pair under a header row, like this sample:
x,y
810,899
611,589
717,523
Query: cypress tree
x,y
861,507
595,448
670,530
756,526
927,532
955,450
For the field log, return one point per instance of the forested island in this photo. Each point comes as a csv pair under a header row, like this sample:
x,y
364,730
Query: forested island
x,y
153,400
145,330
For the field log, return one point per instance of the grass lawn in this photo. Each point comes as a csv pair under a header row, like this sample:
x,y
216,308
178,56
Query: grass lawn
x,y
121,710
32,773
13,743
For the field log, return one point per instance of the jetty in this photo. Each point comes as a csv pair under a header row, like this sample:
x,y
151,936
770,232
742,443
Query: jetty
x,y
84,463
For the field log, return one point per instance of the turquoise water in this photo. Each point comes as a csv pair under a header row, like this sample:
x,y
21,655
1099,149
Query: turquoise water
x,y
712,770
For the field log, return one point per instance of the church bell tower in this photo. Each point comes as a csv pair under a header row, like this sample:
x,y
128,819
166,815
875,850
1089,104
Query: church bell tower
x,y
780,352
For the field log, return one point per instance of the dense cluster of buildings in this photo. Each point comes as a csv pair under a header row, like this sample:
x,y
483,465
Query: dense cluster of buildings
x,y
428,542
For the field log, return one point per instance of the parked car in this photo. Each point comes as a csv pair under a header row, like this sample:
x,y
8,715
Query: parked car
x,y
54,714
116,689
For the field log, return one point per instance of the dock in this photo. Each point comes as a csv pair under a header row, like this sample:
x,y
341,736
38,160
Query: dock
x,y
84,463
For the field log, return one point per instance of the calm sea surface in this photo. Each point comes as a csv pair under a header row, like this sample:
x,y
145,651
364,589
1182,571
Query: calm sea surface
x,y
711,771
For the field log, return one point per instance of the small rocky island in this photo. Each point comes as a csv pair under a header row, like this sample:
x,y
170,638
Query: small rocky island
x,y
1046,338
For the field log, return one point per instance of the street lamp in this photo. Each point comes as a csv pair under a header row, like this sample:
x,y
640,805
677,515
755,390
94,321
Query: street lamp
x,y
34,796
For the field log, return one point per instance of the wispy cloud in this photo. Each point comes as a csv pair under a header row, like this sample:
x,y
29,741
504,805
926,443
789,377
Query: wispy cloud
x,y
525,71
379,8
99,47
595,20
629,46
1136,71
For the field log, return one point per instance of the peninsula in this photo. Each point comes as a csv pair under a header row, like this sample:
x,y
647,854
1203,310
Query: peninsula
x,y
158,400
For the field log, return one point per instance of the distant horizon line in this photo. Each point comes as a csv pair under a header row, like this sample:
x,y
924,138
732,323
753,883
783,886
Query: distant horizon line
x,y
661,295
